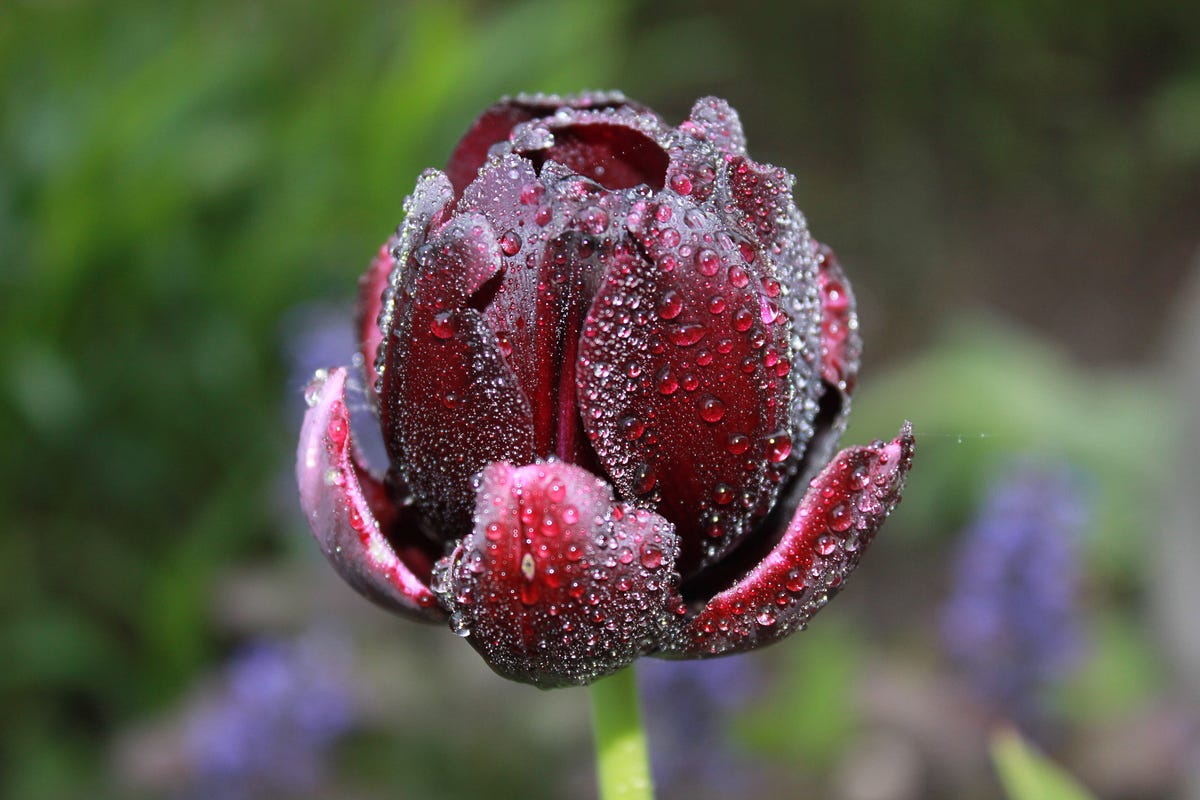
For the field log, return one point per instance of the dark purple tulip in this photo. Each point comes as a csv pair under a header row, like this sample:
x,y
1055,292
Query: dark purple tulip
x,y
609,364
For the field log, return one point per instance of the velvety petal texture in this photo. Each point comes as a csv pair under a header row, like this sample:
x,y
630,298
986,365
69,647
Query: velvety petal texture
x,y
611,367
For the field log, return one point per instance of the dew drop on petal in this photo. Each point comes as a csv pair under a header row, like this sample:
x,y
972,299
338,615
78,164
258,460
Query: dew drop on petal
x,y
707,262
670,305
711,409
779,447
442,325
510,243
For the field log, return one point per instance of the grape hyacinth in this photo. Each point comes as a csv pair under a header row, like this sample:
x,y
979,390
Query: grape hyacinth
x,y
266,731
1012,619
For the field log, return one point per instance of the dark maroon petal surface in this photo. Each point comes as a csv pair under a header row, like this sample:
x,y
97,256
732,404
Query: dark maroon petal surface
x,y
350,515
497,123
835,522
451,403
683,377
557,584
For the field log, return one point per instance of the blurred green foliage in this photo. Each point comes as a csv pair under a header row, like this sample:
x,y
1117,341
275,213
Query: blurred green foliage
x,y
1027,775
174,177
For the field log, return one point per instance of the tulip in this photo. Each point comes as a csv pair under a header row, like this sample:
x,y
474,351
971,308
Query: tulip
x,y
611,367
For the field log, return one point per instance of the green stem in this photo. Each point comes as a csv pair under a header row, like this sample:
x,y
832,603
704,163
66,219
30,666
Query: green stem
x,y
622,765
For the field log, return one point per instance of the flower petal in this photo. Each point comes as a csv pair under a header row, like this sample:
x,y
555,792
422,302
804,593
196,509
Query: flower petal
x,y
841,345
714,120
557,585
452,404
371,287
496,123
682,378
557,232
349,513
835,522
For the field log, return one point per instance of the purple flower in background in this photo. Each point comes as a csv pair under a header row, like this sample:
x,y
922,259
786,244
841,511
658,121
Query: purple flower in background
x,y
688,707
265,732
1012,619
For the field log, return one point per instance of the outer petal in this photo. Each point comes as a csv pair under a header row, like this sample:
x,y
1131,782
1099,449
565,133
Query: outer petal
x,y
836,521
350,515
452,404
556,585
371,287
682,378
761,199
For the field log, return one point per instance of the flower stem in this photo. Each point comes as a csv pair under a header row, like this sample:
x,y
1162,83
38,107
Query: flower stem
x,y
622,764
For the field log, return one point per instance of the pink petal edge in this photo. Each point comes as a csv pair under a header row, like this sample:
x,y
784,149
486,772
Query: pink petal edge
x,y
838,517
333,500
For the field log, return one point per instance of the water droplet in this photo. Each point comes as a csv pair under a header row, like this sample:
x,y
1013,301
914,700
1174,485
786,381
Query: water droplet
x,y
666,381
840,517
594,220
459,624
707,262
644,478
738,443
652,557
716,304
738,277
766,618
510,243
670,237
556,491
686,334
442,325
570,515
631,427
723,494
747,251
779,447
711,409
681,183
670,305
826,544
794,581
337,430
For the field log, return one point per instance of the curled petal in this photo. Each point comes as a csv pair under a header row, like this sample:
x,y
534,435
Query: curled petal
x,y
349,513
371,288
836,520
453,405
556,584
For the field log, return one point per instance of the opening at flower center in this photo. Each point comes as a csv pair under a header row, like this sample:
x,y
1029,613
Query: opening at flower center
x,y
615,156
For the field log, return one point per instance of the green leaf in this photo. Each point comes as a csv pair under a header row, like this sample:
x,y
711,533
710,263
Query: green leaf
x,y
1028,775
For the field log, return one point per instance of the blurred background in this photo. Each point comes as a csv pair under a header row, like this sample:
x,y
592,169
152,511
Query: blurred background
x,y
188,193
